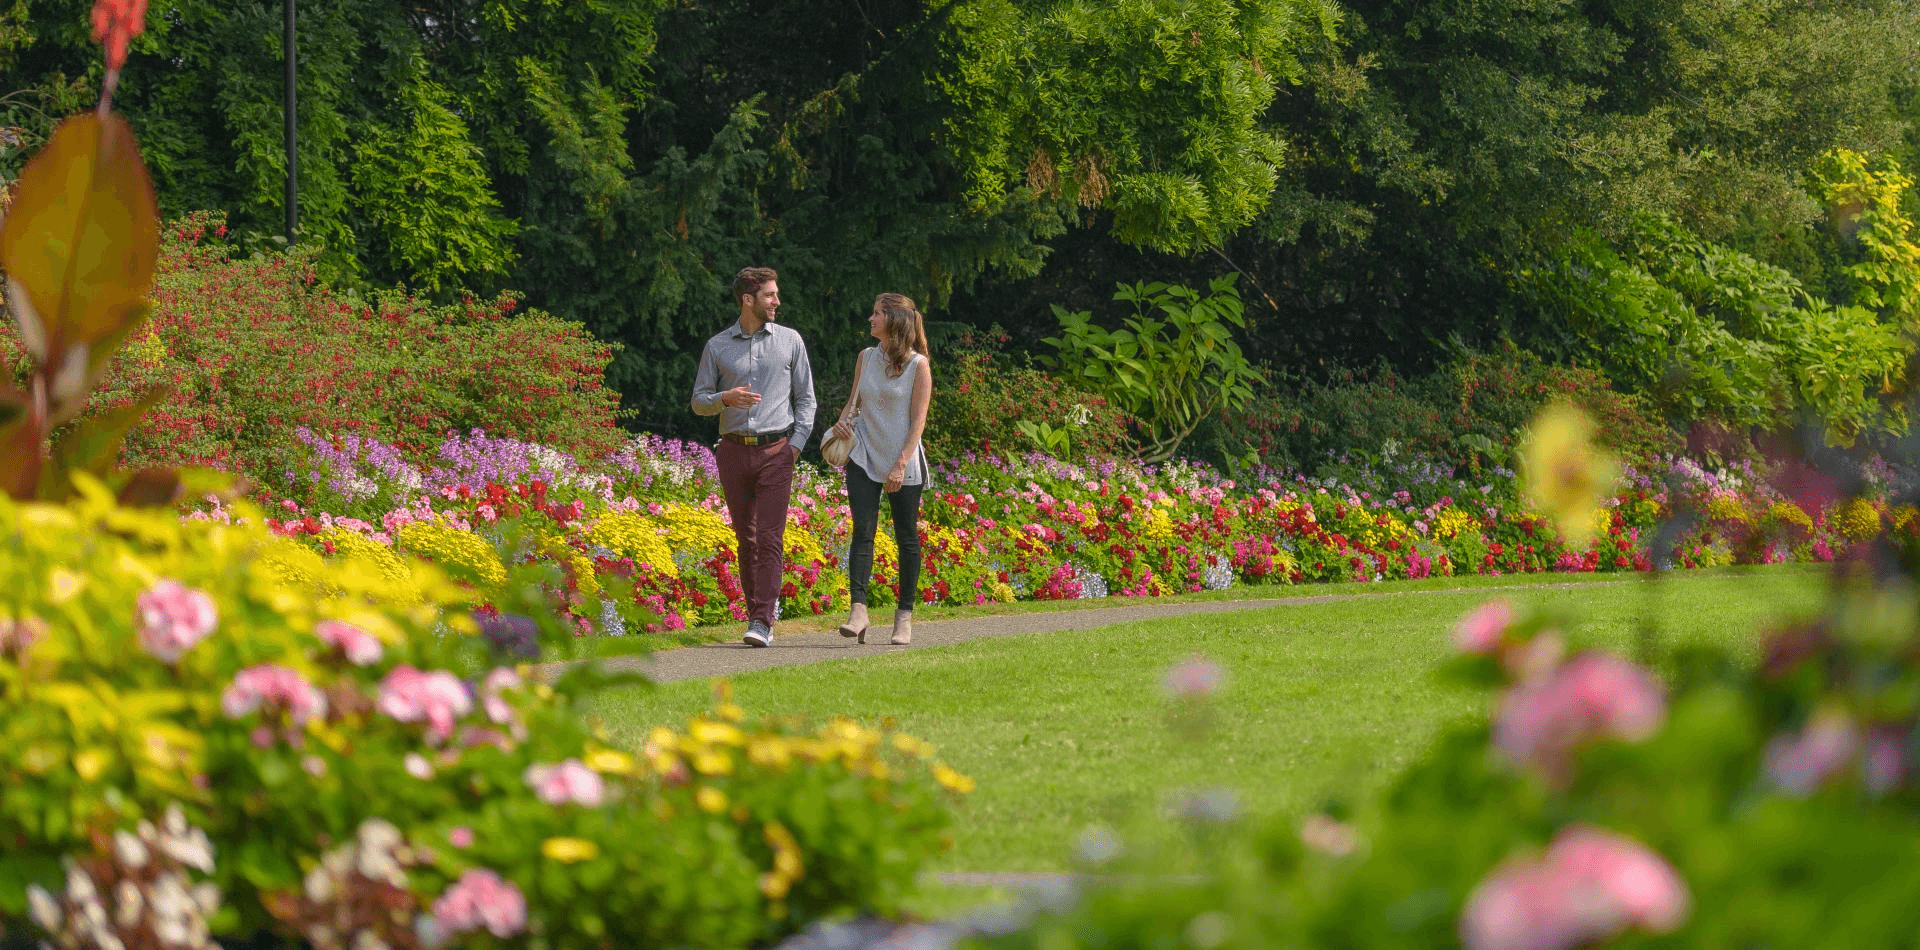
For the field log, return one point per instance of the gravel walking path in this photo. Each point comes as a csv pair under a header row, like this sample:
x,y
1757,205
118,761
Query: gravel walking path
x,y
810,645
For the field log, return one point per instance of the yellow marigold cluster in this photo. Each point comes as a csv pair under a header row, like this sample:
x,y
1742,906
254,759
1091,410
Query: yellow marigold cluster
x,y
695,531
1857,519
354,546
1901,516
636,536
461,552
802,547
787,867
1725,506
1786,512
1452,521
1000,591
1158,526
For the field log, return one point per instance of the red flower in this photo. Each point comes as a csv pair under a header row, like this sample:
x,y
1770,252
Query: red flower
x,y
115,24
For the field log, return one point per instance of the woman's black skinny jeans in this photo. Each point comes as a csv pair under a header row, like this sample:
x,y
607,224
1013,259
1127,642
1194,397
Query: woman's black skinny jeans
x,y
863,496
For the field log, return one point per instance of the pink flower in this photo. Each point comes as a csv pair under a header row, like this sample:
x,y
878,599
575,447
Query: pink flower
x,y
1195,677
1589,885
438,698
1594,695
174,617
481,899
460,837
275,687
361,648
570,781
498,709
17,636
1802,762
1480,631
1884,761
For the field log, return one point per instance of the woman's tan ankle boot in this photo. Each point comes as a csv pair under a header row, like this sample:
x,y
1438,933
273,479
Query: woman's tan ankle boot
x,y
902,627
856,625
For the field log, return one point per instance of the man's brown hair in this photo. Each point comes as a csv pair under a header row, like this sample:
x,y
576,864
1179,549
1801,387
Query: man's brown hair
x,y
750,279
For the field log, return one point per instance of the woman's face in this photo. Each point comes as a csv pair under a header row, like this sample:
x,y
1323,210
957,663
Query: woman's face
x,y
877,324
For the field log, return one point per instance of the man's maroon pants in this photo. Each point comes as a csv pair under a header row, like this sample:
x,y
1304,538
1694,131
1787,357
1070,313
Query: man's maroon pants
x,y
758,481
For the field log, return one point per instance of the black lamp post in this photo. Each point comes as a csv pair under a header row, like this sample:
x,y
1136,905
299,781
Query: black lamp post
x,y
293,157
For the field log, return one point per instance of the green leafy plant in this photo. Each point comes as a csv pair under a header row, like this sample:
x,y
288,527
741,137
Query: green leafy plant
x,y
986,401
1173,363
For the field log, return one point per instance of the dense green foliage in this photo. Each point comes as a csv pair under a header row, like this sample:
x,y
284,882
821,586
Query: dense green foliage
x,y
1378,172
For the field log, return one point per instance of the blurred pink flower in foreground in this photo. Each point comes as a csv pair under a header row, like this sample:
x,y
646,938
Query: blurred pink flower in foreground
x,y
437,698
1592,696
497,708
174,617
276,688
360,647
1802,762
1480,631
1589,885
1195,677
570,781
481,899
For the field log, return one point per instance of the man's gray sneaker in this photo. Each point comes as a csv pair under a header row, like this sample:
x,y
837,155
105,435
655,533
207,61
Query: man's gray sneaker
x,y
758,635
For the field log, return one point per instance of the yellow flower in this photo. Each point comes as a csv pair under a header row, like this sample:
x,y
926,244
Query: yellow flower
x,y
636,536
723,733
460,551
730,712
918,748
712,762
1857,519
951,779
610,762
1565,474
569,850
711,800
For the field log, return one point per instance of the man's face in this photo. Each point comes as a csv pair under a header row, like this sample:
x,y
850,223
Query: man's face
x,y
766,301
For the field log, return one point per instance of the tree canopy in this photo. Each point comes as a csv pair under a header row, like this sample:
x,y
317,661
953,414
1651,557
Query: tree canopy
x,y
1375,171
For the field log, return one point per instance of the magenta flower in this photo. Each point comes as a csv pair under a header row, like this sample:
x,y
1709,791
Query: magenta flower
x,y
277,689
1800,763
1480,631
570,781
1195,677
1592,696
1590,885
480,899
360,647
437,698
174,617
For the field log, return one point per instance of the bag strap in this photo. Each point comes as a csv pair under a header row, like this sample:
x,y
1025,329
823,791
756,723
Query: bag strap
x,y
852,408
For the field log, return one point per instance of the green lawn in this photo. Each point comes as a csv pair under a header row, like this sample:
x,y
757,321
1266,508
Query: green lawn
x,y
1322,700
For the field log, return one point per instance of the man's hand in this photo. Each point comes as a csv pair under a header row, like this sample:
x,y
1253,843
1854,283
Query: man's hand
x,y
739,397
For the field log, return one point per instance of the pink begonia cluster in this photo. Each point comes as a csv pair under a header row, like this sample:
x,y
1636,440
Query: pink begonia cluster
x,y
360,647
174,617
1799,763
1592,696
1195,677
1589,885
276,688
437,698
568,782
18,636
480,899
499,681
1481,631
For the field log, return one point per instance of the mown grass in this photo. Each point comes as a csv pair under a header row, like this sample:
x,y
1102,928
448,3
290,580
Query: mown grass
x,y
1322,700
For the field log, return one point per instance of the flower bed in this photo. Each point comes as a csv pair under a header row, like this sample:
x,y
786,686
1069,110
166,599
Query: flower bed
x,y
647,525
206,729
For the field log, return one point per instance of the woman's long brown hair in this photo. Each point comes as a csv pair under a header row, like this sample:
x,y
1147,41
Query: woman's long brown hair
x,y
906,331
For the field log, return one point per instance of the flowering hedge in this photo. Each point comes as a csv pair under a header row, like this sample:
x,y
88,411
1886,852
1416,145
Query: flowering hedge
x,y
648,525
207,729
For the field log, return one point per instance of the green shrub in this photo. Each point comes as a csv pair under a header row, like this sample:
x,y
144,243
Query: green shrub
x,y
1465,415
986,402
254,348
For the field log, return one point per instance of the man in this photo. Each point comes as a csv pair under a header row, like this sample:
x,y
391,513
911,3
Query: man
x,y
754,375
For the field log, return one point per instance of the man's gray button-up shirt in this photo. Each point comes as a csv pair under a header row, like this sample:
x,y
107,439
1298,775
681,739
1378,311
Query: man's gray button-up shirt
x,y
771,362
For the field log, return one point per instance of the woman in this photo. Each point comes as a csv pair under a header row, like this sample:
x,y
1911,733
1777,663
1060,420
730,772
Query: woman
x,y
894,384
